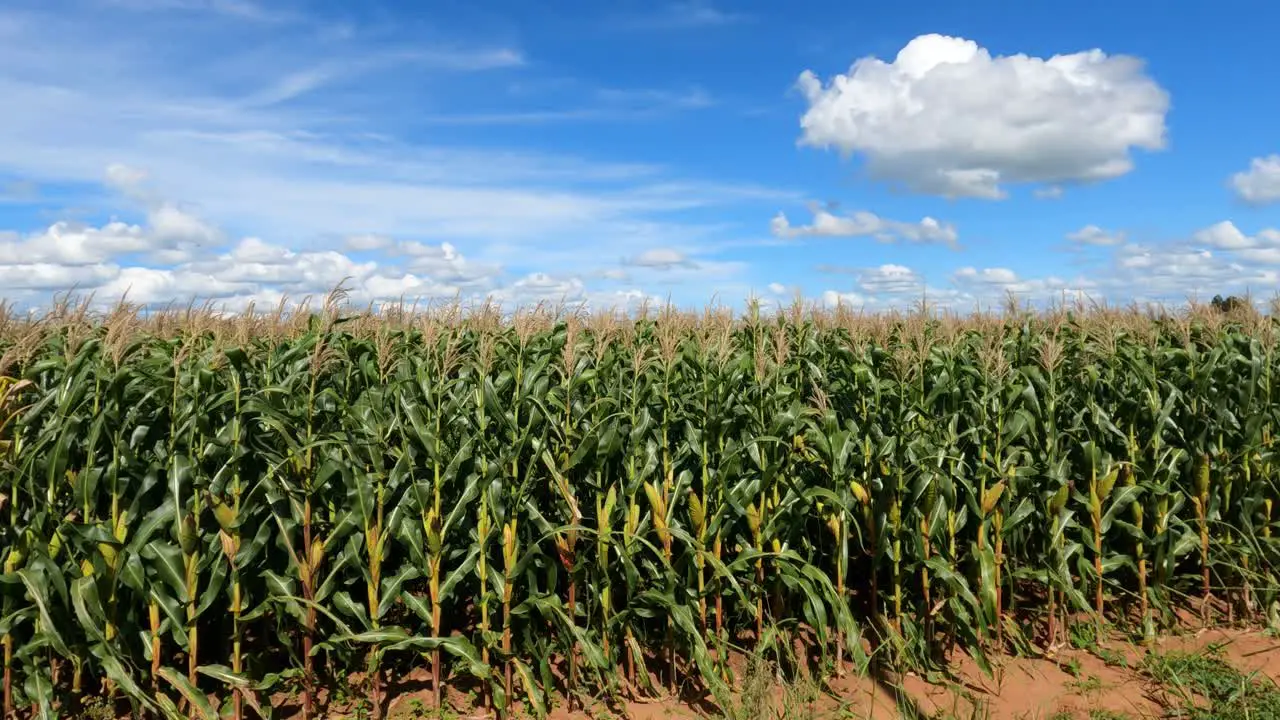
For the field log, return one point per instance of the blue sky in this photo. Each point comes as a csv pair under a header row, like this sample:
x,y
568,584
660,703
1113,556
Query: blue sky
x,y
608,153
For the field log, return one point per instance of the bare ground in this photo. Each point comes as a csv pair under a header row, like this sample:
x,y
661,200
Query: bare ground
x,y
1106,680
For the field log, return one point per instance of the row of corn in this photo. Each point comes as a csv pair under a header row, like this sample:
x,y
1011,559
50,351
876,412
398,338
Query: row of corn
x,y
203,513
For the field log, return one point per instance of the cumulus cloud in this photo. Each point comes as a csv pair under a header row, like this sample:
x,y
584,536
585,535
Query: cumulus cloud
x,y
409,285
1174,272
1094,235
159,286
165,260
986,276
170,235
1260,184
175,255
866,224
1223,235
65,243
1169,261
991,283
540,287
444,262
567,290
172,224
1263,248
947,118
620,300
53,276
286,269
118,260
890,279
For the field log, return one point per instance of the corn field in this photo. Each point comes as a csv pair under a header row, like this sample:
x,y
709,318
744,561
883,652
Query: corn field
x,y
205,511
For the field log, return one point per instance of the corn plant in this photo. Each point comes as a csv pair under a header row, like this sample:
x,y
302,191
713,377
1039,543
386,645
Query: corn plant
x,y
201,508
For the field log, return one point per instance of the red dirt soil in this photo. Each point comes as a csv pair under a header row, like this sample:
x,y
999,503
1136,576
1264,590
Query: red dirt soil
x,y
1074,682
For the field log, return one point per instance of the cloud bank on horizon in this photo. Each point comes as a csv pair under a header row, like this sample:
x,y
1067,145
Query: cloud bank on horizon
x,y
240,152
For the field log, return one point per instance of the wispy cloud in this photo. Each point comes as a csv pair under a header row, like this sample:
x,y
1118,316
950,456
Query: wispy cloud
x,y
164,126
600,105
688,15
243,9
19,191
1096,236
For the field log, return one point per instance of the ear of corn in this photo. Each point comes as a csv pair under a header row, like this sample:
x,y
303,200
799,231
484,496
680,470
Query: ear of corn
x,y
380,491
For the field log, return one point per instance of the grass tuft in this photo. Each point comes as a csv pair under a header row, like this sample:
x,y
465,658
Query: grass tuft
x,y
1208,687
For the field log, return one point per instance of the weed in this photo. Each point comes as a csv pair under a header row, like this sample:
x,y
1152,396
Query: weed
x,y
1090,684
798,701
1071,667
1084,636
1208,687
754,701
1111,657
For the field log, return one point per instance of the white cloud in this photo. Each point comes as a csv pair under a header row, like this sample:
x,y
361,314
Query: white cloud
x,y
986,276
1218,259
1260,184
988,284
834,298
368,241
253,250
777,288
266,140
1223,235
621,300
661,258
1261,255
410,286
890,279
124,177
159,286
54,276
174,225
948,118
289,270
117,258
541,288
866,224
1226,236
1094,235
1262,248
1166,261
445,263
1176,272
65,243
